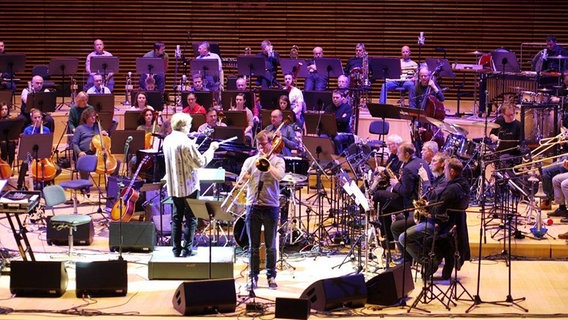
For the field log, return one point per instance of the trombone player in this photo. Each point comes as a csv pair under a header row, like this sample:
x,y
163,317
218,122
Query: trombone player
x,y
261,175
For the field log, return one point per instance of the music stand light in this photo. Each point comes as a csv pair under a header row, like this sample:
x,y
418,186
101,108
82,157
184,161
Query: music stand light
x,y
317,100
64,66
105,63
150,65
43,101
331,67
291,66
384,67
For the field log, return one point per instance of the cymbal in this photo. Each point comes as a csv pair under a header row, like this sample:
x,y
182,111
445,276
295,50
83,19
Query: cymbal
x,y
490,125
544,90
448,127
559,57
517,88
459,129
294,178
477,53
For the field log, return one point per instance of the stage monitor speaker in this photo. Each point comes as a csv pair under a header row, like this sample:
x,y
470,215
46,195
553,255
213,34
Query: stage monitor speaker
x,y
38,278
82,235
205,297
101,278
327,294
289,308
386,288
136,236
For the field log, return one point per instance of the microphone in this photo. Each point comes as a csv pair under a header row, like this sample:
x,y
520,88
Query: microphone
x,y
129,74
421,39
178,52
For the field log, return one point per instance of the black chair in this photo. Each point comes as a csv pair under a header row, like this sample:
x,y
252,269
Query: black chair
x,y
380,127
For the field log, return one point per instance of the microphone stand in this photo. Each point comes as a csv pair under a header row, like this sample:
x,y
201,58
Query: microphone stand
x,y
121,203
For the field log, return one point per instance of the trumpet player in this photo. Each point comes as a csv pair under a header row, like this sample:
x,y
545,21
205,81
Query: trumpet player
x,y
262,205
453,200
182,159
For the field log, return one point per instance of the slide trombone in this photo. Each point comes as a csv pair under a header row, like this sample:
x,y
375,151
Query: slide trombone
x,y
546,143
527,167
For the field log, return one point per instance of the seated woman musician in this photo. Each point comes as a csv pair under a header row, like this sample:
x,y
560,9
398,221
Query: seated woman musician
x,y
7,148
81,104
240,100
141,101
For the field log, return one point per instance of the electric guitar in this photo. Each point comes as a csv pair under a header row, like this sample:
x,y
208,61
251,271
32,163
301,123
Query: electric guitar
x,y
123,208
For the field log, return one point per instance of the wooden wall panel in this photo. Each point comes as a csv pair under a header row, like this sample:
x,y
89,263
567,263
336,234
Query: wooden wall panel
x,y
45,29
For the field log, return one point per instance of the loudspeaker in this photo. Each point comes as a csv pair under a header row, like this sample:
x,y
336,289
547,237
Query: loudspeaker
x,y
83,235
386,288
136,236
289,308
101,278
205,297
327,294
38,278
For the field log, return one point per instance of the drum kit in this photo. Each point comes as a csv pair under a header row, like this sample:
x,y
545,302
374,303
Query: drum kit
x,y
539,112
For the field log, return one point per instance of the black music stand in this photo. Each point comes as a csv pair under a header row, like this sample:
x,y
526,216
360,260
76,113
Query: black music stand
x,y
155,99
269,98
331,67
43,101
323,147
384,67
205,67
236,118
383,111
446,69
12,63
291,66
213,47
209,211
222,133
228,98
106,120
150,65
505,61
103,103
106,64
251,66
317,100
196,121
204,98
321,123
37,145
131,119
63,66
118,143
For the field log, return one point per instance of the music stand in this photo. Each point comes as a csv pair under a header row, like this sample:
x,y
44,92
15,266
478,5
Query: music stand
x,y
12,63
324,145
103,103
204,98
317,100
106,120
213,47
208,211
105,63
445,72
131,119
205,67
250,66
236,118
196,121
6,96
331,67
11,129
43,101
384,67
505,62
150,65
269,98
325,121
383,111
155,99
222,133
63,66
228,98
266,114
291,66
119,137
37,145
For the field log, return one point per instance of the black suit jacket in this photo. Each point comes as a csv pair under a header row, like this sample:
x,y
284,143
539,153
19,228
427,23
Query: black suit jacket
x,y
409,180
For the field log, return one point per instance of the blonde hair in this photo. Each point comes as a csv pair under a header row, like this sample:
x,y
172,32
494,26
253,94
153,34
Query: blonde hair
x,y
180,120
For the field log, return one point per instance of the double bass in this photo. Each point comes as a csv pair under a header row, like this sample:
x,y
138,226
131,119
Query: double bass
x,y
42,170
106,162
433,108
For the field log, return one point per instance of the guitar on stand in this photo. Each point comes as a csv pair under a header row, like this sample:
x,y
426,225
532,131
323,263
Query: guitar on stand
x,y
124,207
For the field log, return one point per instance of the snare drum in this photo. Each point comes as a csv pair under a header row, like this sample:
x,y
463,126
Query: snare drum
x,y
468,149
453,144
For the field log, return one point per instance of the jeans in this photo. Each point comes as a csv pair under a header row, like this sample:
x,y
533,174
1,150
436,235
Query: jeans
x,y
315,82
397,228
256,217
391,85
547,174
415,238
560,186
182,212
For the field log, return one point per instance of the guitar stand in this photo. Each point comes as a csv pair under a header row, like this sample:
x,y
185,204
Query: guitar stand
x,y
214,226
452,291
281,263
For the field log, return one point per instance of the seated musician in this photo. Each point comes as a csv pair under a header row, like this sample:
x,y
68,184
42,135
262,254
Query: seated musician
x,y
403,190
99,87
36,127
296,97
36,85
240,100
211,121
408,68
198,83
192,106
4,110
381,176
7,148
429,149
286,132
148,121
84,133
425,86
81,104
343,113
508,135
141,101
454,199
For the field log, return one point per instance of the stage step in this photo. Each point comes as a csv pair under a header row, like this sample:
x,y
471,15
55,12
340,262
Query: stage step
x,y
164,266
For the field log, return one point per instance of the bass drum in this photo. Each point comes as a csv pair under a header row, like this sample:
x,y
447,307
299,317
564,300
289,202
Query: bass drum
x,y
240,233
454,143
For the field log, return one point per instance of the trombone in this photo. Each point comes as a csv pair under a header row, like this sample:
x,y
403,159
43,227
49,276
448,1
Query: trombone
x,y
546,143
528,167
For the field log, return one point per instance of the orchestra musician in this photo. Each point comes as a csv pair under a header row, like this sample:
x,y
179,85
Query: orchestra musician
x,y
198,85
381,175
83,135
192,106
159,51
285,132
424,85
5,83
81,104
182,160
429,149
141,101
357,61
271,63
408,69
240,100
36,85
204,53
211,121
99,87
315,81
541,61
296,97
342,112
262,206
98,51
7,148
508,135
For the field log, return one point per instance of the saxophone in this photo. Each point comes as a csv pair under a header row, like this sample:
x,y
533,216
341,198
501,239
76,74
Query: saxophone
x,y
365,69
420,203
